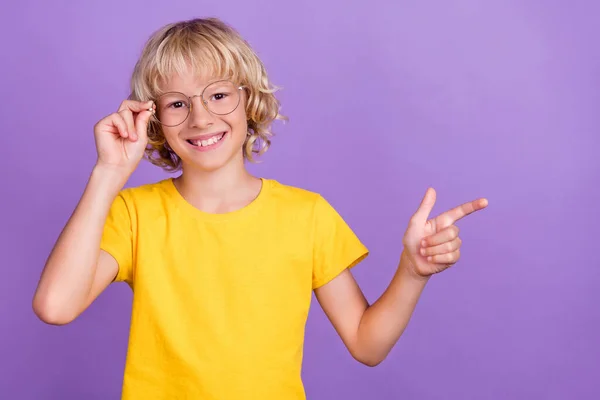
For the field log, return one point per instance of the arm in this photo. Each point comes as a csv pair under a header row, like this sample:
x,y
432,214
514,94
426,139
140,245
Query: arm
x,y
430,246
77,271
371,331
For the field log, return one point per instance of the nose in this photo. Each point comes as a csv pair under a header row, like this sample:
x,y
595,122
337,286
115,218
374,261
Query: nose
x,y
199,117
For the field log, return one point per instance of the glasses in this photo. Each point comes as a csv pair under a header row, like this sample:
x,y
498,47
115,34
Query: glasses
x,y
220,98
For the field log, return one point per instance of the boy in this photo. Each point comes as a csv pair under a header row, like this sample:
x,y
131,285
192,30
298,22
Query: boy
x,y
222,264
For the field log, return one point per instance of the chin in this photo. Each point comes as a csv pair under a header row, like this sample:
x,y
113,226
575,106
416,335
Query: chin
x,y
206,166
212,157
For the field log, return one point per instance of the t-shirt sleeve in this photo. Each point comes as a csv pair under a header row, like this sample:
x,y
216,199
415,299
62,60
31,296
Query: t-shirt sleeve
x,y
336,247
117,238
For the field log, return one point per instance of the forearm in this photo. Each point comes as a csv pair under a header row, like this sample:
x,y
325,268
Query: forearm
x,y
71,266
384,321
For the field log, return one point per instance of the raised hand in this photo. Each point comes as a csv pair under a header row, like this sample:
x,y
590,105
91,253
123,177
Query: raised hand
x,y
121,137
433,245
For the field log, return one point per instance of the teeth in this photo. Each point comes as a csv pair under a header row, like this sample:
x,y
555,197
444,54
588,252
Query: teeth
x,y
206,142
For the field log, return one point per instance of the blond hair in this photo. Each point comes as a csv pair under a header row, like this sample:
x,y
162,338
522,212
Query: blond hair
x,y
211,46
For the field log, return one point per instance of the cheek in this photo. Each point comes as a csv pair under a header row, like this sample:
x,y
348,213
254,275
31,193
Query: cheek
x,y
238,123
171,135
168,133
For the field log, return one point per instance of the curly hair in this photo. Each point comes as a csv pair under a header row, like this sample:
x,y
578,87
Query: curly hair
x,y
213,47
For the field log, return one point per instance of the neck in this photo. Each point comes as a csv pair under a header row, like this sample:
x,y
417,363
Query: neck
x,y
222,190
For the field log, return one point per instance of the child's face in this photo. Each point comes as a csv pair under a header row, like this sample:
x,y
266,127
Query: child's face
x,y
205,140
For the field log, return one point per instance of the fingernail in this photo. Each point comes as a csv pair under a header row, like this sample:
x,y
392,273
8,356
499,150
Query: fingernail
x,y
423,243
422,252
429,258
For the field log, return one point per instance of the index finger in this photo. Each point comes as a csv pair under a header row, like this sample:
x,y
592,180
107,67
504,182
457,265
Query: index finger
x,y
136,106
449,217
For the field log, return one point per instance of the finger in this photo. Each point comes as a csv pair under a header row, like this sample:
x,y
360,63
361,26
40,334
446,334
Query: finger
x,y
451,216
142,120
447,247
135,106
422,213
118,122
128,118
445,235
447,258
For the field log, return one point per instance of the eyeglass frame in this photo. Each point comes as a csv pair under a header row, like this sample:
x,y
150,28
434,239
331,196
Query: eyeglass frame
x,y
204,102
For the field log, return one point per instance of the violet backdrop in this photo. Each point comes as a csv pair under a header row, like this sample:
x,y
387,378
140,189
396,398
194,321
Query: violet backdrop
x,y
475,98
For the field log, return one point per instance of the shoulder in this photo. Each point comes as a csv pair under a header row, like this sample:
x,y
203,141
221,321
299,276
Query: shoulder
x,y
149,194
301,202
292,196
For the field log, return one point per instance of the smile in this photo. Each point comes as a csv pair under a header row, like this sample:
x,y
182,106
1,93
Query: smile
x,y
207,143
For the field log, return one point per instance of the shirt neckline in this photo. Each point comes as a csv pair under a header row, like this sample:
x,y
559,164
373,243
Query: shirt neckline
x,y
248,209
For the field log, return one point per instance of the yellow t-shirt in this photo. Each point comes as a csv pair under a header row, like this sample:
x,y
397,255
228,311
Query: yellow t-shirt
x,y
220,301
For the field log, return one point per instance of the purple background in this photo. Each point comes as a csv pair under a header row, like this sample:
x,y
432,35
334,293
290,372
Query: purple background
x,y
476,98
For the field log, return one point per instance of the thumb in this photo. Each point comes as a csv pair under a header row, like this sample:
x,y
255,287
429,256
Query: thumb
x,y
142,120
422,213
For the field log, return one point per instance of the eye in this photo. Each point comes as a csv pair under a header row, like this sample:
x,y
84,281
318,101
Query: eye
x,y
176,104
219,96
